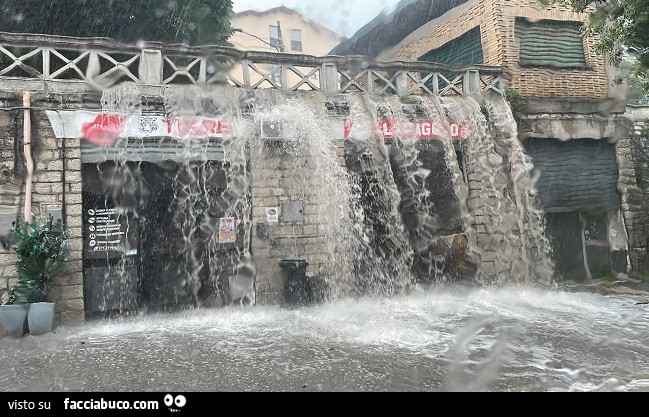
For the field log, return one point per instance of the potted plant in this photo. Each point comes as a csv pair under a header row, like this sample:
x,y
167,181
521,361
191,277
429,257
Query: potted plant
x,y
13,316
42,250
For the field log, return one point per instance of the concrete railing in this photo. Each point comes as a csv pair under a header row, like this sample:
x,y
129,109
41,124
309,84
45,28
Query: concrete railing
x,y
65,64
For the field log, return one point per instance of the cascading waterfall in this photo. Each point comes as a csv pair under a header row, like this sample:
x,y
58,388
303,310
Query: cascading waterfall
x,y
120,190
505,132
207,191
173,195
383,255
370,214
493,228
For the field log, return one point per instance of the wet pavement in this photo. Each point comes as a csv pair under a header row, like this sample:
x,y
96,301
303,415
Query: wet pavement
x,y
453,338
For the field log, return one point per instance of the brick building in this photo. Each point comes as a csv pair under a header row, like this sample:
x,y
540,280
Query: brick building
x,y
539,48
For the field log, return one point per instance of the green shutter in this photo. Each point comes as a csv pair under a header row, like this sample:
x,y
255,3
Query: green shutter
x,y
550,42
576,175
465,50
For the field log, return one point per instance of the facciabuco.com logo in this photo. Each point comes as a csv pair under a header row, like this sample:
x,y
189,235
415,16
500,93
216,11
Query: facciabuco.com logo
x,y
102,404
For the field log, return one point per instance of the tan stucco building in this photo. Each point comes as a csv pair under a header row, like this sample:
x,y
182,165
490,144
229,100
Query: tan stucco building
x,y
298,34
280,30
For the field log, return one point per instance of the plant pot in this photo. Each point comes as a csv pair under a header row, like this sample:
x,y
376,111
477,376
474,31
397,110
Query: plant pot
x,y
13,318
40,318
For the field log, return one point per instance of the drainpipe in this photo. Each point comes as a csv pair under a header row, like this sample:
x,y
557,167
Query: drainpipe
x,y
521,218
27,148
582,218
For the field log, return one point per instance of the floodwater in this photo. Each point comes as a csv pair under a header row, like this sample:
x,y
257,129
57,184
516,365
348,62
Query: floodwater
x,y
453,338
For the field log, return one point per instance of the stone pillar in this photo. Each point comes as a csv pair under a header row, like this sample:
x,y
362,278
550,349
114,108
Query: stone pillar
x,y
633,161
329,78
471,84
150,69
57,185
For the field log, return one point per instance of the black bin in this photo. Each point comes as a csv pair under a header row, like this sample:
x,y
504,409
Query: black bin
x,y
295,291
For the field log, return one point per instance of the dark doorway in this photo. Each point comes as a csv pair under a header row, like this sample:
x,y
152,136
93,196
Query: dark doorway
x,y
564,232
598,249
572,233
164,252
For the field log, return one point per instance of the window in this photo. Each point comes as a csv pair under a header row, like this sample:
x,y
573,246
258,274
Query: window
x,y
550,43
276,73
296,40
464,50
274,37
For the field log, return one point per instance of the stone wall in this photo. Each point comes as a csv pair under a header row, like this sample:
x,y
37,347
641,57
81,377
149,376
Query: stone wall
x,y
635,149
493,228
305,178
496,19
57,185
10,187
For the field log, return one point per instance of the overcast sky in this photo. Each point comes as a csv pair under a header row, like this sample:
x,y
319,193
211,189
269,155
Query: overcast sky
x,y
342,16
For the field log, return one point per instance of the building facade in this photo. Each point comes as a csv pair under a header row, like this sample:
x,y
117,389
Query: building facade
x,y
280,30
260,31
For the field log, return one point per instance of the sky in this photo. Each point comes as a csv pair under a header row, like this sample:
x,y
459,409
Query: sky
x,y
344,17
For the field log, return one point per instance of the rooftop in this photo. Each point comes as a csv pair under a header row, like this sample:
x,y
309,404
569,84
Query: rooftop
x,y
385,31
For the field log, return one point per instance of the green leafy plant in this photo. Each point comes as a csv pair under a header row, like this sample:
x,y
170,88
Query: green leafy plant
x,y
513,96
609,280
42,249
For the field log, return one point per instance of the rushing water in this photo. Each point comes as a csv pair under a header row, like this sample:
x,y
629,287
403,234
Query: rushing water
x,y
379,214
452,338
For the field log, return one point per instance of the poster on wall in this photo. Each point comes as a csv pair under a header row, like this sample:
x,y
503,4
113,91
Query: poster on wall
x,y
272,214
227,230
107,234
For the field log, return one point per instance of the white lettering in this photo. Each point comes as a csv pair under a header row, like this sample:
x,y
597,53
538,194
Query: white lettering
x,y
427,129
386,129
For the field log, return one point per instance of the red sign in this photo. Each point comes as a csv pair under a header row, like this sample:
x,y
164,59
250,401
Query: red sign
x,y
105,129
421,129
196,127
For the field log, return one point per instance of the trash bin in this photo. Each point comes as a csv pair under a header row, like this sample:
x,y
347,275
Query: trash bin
x,y
295,290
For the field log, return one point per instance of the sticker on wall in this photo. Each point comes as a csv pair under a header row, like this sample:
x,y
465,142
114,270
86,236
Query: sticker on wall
x,y
226,230
272,214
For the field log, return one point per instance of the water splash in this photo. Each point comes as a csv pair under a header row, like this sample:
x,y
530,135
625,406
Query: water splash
x,y
450,338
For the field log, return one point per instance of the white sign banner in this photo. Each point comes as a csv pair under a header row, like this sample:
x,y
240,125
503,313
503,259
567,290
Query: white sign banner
x,y
103,129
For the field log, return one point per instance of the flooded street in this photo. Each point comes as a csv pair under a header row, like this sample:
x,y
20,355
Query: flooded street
x,y
441,339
